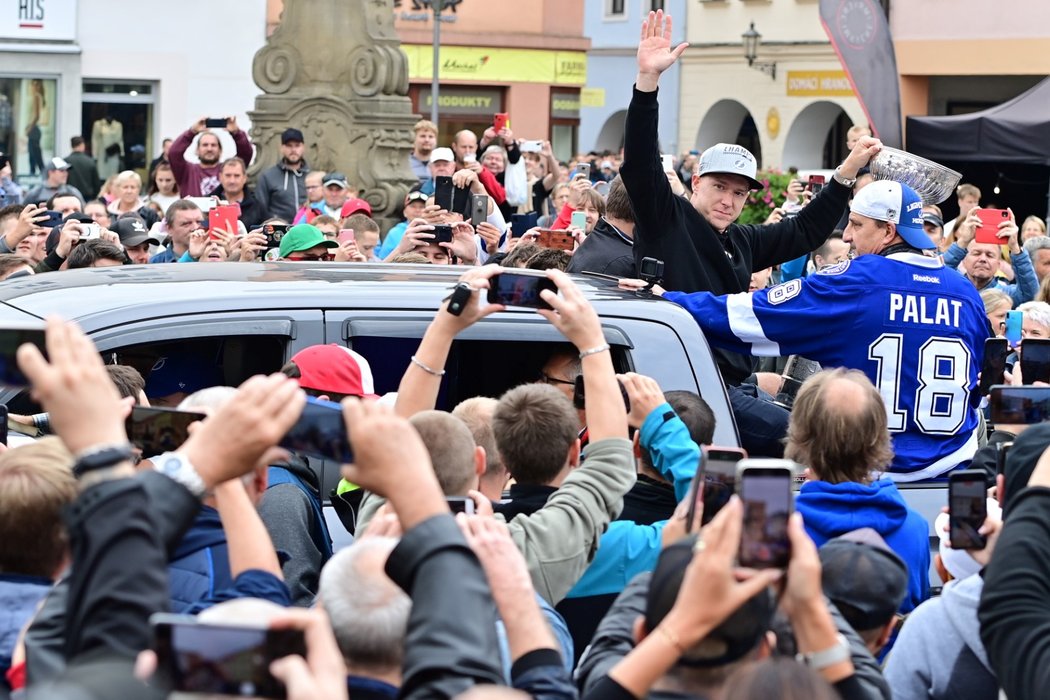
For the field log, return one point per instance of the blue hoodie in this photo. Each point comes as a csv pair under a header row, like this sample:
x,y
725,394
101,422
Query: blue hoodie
x,y
830,510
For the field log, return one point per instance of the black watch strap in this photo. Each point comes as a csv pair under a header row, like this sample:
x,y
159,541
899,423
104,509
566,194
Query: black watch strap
x,y
102,458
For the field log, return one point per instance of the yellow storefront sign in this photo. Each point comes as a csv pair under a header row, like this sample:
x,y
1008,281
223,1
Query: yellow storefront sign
x,y
818,83
498,65
592,97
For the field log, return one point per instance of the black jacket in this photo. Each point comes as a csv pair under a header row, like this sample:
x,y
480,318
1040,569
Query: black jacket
x,y
1014,617
83,174
696,256
605,251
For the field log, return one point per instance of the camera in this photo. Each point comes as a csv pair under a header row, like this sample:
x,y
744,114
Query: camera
x,y
274,233
651,270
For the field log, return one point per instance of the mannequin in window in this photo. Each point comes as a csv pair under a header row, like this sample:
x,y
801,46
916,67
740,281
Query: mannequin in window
x,y
38,116
107,145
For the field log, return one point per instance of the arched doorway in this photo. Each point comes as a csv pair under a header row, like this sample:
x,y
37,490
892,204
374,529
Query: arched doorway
x,y
728,121
817,137
610,138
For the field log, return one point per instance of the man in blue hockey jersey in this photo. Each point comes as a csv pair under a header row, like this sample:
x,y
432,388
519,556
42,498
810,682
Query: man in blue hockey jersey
x,y
914,326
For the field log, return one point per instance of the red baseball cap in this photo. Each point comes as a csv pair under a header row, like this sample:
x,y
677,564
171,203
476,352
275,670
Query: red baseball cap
x,y
353,206
333,368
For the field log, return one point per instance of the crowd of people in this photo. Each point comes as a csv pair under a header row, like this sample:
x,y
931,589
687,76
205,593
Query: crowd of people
x,y
578,569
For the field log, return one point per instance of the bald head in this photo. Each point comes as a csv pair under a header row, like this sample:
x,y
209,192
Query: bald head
x,y
465,143
845,395
451,448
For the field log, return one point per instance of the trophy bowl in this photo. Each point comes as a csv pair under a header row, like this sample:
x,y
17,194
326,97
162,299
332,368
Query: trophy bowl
x,y
932,181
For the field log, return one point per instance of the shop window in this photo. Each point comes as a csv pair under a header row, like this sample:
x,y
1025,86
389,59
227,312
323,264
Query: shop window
x,y
117,123
28,112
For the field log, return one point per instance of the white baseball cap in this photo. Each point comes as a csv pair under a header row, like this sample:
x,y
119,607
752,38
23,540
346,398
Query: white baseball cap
x,y
730,159
887,200
442,154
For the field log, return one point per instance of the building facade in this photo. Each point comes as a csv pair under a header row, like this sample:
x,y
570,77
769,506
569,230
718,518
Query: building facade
x,y
613,27
794,116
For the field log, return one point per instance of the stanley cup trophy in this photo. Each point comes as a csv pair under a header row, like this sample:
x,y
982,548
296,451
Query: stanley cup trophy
x,y
335,70
931,181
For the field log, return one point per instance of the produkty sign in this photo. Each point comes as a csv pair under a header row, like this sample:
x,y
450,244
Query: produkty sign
x,y
45,20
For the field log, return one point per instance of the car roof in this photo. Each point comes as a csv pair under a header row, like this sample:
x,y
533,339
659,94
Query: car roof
x,y
202,287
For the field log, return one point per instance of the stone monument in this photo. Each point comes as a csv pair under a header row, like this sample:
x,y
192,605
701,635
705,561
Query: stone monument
x,y
335,70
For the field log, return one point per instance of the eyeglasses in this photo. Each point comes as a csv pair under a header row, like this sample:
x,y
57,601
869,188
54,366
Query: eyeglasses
x,y
548,379
312,257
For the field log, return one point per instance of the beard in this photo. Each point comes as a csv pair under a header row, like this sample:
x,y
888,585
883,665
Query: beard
x,y
208,162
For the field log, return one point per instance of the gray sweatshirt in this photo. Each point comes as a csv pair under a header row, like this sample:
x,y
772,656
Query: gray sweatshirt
x,y
938,653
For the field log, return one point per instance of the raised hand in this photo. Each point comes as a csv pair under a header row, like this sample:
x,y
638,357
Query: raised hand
x,y
655,54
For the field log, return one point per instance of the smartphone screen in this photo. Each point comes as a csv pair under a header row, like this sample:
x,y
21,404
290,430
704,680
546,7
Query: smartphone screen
x,y
159,430
719,482
1035,360
460,504
215,123
521,223
967,508
556,238
1014,323
516,289
1019,405
320,432
219,659
10,339
479,209
274,233
443,192
816,183
766,495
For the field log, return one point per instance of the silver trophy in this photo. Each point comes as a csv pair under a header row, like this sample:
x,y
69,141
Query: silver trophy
x,y
932,181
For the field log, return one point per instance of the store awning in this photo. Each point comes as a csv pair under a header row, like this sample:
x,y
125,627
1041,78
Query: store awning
x,y
1017,131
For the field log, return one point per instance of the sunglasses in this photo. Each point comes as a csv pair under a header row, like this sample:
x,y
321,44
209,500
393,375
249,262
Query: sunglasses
x,y
315,257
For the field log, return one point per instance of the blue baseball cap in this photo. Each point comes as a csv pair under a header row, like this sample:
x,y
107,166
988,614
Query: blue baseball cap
x,y
886,200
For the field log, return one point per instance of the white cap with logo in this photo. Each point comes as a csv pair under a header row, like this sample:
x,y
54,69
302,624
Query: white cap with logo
x,y
730,159
442,154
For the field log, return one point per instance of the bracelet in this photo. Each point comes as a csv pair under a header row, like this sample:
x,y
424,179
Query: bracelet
x,y
428,370
671,638
594,351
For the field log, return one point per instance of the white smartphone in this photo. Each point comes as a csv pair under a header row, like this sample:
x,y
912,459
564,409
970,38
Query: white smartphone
x,y
668,162
531,146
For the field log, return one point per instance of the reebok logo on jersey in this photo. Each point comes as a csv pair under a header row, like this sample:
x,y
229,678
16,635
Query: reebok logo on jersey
x,y
926,278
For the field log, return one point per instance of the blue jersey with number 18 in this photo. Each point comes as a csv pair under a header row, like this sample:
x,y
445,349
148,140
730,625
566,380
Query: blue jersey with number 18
x,y
914,326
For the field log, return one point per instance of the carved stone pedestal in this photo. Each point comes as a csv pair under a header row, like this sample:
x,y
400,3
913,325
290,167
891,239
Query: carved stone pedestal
x,y
335,70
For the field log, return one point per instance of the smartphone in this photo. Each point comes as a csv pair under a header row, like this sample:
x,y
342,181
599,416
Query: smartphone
x,y
1035,360
197,657
3,424
157,430
579,220
442,233
10,340
988,231
582,169
1014,323
967,508
579,394
531,146
223,217
765,490
1002,449
205,204
995,352
479,209
1019,405
719,480
460,504
90,232
557,239
320,432
500,120
54,218
815,183
521,223
274,233
347,234
443,192
215,123
668,162
518,289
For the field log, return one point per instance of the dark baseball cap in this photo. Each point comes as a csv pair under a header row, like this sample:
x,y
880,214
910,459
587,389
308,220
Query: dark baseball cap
x,y
732,640
863,577
291,134
931,218
133,231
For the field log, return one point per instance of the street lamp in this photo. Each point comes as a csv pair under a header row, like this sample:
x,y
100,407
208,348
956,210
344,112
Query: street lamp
x,y
752,40
437,6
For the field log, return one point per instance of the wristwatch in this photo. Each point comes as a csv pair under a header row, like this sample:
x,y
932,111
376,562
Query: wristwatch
x,y
819,660
102,457
843,180
176,467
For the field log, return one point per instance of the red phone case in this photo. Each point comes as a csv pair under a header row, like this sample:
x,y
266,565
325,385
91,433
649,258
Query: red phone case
x,y
989,228
557,239
223,217
499,120
347,234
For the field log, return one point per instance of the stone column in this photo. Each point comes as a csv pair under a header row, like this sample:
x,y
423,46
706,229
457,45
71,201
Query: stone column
x,y
335,70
